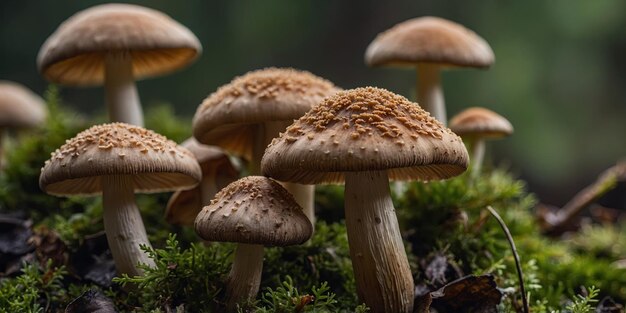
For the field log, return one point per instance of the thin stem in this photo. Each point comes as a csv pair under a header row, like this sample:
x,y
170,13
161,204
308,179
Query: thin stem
x,y
208,188
478,155
381,268
520,275
123,225
430,92
122,99
305,196
245,276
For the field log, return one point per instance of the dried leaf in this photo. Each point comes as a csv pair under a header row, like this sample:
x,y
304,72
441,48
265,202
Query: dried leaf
x,y
91,301
468,294
607,305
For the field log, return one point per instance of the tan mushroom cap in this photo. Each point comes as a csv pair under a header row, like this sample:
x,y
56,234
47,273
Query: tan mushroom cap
x,y
184,205
429,39
74,53
481,122
365,129
226,117
254,210
155,163
20,107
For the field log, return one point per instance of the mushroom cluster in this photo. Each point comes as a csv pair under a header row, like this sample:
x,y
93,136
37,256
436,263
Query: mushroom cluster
x,y
365,137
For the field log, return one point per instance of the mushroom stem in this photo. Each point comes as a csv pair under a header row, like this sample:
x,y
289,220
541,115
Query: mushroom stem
x,y
245,275
429,91
208,188
123,225
122,99
305,196
381,268
478,154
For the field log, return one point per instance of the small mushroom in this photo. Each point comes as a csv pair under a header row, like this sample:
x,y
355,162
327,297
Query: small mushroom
x,y
253,211
477,124
115,44
243,116
19,108
383,136
217,173
118,160
430,44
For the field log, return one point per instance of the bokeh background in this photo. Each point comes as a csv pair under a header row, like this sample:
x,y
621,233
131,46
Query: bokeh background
x,y
560,72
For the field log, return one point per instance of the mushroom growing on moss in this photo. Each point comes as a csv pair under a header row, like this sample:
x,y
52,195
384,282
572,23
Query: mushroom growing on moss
x,y
217,173
19,108
243,116
253,211
365,137
118,160
477,124
430,44
115,44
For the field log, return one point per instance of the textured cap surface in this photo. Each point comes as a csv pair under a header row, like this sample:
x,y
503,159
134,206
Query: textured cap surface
x,y
74,53
254,210
155,163
20,107
365,129
226,117
480,122
429,39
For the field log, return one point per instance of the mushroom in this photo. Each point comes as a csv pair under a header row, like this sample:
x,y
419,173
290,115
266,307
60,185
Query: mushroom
x,y
476,124
430,44
19,108
365,137
118,160
254,211
217,172
115,44
243,116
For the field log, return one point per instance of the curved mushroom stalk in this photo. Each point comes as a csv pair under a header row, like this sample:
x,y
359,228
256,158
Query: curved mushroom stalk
x,y
429,91
122,99
123,225
245,275
381,268
305,196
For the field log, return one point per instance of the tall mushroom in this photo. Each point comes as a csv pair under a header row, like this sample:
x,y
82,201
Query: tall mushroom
x,y
217,173
477,124
254,211
243,116
430,44
19,108
118,160
365,137
115,44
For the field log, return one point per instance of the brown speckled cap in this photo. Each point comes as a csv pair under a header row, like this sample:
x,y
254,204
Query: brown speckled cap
x,y
155,163
74,53
429,39
254,210
480,122
20,107
226,117
365,129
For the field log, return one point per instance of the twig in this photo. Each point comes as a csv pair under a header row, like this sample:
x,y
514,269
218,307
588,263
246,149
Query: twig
x,y
520,275
605,183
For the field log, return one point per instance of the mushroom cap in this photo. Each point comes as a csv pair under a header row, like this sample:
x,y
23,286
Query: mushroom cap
x,y
365,129
429,39
20,107
155,163
480,122
254,210
184,205
74,54
227,117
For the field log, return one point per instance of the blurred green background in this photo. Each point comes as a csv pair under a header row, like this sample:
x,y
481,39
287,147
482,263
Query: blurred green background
x,y
560,72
